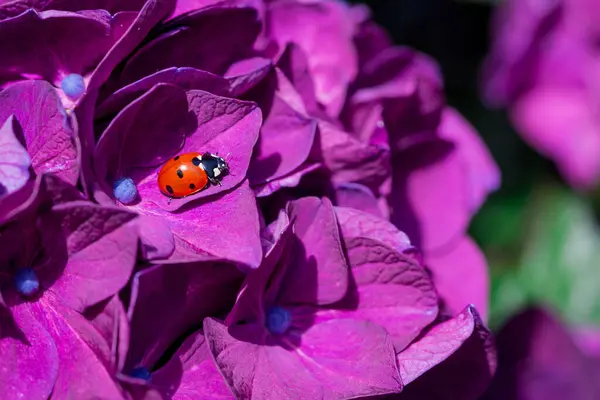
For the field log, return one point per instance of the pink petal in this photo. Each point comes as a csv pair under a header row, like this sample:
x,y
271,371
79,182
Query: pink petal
x,y
461,277
456,359
102,247
49,138
14,159
389,289
191,374
29,364
337,359
84,368
317,262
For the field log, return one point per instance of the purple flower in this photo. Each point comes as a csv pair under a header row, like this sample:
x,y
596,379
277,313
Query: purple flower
x,y
538,358
59,256
14,167
338,289
552,103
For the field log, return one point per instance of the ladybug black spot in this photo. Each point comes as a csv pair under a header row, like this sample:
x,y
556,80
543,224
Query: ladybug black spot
x,y
176,158
192,186
169,189
196,161
180,173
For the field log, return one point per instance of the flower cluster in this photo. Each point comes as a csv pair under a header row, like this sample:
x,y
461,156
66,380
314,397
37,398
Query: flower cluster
x,y
543,66
331,260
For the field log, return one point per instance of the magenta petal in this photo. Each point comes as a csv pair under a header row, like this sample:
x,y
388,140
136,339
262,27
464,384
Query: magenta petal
x,y
357,196
80,40
191,374
286,139
560,123
337,359
324,31
539,360
84,356
29,364
156,237
318,261
352,160
185,78
389,289
14,159
110,320
246,74
102,247
47,132
354,223
482,172
461,277
456,359
191,31
225,227
169,299
430,194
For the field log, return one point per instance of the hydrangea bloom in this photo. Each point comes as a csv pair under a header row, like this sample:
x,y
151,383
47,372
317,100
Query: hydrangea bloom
x,y
57,258
340,148
552,103
540,359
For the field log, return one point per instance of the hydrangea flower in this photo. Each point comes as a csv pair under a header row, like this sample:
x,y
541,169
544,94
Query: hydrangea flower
x,y
342,138
59,255
540,358
552,103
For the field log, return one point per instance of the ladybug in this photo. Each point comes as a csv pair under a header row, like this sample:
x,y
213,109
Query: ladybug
x,y
190,173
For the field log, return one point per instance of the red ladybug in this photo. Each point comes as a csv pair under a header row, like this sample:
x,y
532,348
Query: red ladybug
x,y
189,173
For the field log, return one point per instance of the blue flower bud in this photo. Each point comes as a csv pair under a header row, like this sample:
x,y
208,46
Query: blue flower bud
x,y
26,281
125,190
278,320
141,373
73,85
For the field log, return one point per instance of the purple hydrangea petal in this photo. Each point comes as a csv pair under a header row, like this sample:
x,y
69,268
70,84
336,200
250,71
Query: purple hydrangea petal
x,y
14,8
201,230
317,262
337,359
79,41
285,143
482,172
249,302
191,373
538,359
109,318
357,196
169,299
288,181
389,289
102,248
156,238
186,6
83,354
208,55
246,74
456,359
546,115
324,32
355,223
29,364
184,77
14,159
429,198
47,131
461,277
294,65
352,160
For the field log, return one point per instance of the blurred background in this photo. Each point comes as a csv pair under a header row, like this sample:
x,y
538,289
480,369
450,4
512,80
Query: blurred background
x,y
541,237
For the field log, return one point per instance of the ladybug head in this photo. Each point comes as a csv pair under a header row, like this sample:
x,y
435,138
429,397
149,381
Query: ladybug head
x,y
214,166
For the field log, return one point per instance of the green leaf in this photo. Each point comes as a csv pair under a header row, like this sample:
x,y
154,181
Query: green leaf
x,y
559,261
